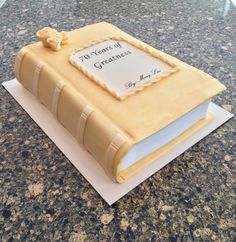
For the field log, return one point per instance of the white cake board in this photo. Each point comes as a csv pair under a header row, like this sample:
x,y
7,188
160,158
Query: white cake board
x,y
85,163
2,2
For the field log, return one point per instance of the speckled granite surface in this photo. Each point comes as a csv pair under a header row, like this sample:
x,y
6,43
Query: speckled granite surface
x,y
44,198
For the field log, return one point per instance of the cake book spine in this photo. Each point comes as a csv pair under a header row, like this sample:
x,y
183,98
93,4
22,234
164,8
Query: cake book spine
x,y
94,131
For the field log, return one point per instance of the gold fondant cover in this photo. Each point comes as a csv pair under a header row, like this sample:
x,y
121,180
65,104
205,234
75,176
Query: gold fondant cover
x,y
105,126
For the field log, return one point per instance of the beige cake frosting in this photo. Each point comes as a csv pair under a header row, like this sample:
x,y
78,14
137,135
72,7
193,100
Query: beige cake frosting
x,y
106,126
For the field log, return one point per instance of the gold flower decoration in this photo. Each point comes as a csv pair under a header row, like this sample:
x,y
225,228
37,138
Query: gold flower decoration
x,y
51,38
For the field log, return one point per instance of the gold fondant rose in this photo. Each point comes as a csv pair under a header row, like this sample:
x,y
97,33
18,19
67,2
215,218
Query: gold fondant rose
x,y
51,38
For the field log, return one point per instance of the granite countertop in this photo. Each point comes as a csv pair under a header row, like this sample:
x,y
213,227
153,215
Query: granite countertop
x,y
44,198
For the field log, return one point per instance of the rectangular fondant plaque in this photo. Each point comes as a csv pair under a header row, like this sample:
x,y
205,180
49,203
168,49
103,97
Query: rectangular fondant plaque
x,y
119,66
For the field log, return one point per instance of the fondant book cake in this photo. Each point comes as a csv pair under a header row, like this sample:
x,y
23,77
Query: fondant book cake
x,y
125,102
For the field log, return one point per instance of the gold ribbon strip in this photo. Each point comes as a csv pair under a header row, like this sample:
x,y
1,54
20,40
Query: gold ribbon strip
x,y
82,124
36,76
56,96
18,62
112,149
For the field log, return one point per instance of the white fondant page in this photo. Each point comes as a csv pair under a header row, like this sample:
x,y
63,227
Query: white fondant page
x,y
110,191
120,73
162,137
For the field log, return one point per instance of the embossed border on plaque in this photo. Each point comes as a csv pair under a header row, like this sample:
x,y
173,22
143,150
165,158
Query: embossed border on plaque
x,y
139,45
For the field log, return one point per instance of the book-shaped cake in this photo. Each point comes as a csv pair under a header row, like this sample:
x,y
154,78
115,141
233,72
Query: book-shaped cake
x,y
125,102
